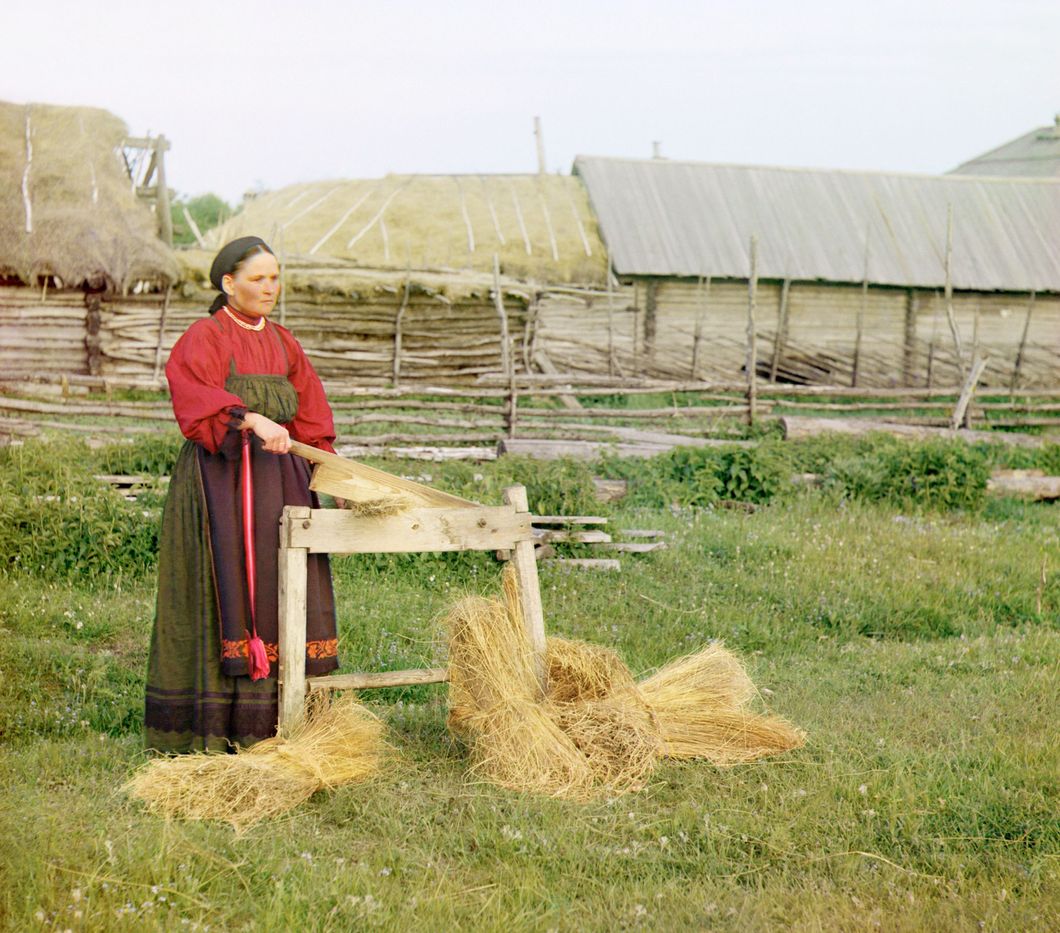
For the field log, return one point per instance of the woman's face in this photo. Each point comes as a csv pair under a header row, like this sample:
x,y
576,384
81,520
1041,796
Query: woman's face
x,y
255,286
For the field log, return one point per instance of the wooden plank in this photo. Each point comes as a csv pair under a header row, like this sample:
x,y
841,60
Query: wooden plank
x,y
525,564
292,620
631,547
796,427
574,537
569,520
1031,484
959,418
342,469
485,528
407,678
545,364
606,564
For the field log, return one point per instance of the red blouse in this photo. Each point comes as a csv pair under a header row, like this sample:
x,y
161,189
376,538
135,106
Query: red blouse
x,y
200,362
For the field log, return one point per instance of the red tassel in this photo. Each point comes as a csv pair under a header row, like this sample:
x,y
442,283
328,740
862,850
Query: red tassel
x,y
257,659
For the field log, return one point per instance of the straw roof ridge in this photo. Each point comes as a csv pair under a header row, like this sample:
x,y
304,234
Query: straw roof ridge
x,y
539,226
330,276
67,208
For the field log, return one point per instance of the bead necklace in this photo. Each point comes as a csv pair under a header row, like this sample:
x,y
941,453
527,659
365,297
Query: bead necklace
x,y
244,324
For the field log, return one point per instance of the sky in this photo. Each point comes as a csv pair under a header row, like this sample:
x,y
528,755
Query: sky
x,y
265,94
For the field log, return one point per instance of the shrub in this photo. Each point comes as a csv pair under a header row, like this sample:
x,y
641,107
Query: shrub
x,y
939,474
699,476
153,455
60,521
553,487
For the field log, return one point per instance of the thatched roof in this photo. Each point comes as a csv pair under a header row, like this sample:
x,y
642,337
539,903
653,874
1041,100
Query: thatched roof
x,y
540,226
67,208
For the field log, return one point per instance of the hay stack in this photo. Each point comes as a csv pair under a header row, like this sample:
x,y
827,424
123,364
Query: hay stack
x,y
596,730
337,743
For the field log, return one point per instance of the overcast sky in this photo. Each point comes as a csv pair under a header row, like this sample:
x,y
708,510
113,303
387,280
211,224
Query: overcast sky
x,y
269,93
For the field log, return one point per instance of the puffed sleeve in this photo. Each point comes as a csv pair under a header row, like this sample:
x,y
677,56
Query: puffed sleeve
x,y
314,424
197,369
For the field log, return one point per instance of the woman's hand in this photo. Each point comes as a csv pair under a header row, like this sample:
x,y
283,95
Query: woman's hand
x,y
274,437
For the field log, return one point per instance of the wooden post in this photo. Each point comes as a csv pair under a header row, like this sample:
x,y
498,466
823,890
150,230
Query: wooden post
x,y
292,620
636,329
855,369
610,320
697,335
193,227
975,329
525,565
781,337
752,348
651,306
398,318
283,283
507,363
93,325
959,418
530,328
165,218
539,139
161,333
1023,345
951,319
909,342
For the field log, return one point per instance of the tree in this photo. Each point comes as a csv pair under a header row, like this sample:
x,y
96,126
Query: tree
x,y
207,210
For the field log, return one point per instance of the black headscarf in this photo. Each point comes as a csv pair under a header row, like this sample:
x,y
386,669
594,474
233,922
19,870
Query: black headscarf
x,y
227,261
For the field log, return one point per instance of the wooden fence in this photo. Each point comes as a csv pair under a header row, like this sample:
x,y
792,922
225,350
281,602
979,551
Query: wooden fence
x,y
551,416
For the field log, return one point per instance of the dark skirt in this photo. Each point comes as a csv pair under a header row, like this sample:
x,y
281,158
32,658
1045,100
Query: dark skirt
x,y
199,697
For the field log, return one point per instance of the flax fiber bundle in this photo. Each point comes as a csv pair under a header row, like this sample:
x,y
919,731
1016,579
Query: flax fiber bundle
x,y
337,743
596,730
382,507
496,703
701,706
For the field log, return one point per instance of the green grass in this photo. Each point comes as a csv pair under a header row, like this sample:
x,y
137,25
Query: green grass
x,y
909,645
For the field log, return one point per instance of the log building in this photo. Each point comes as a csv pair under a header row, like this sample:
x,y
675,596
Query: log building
x,y
876,278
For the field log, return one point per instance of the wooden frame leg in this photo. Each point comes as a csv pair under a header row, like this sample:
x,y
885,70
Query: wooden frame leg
x,y
292,624
525,565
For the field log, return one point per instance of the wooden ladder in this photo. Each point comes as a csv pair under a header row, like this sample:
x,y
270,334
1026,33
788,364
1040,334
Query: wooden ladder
x,y
305,531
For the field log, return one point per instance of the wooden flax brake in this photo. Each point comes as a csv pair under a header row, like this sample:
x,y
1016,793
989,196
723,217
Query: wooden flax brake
x,y
428,520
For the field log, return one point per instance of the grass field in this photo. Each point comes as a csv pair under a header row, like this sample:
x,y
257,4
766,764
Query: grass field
x,y
919,650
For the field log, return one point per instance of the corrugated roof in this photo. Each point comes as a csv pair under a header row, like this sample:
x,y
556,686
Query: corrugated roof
x,y
666,218
1034,155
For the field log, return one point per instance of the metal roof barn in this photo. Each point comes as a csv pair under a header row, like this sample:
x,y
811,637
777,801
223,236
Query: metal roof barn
x,y
690,219
1035,154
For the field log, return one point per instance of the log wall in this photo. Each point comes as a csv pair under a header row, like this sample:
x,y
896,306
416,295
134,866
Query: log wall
x,y
42,336
905,333
643,329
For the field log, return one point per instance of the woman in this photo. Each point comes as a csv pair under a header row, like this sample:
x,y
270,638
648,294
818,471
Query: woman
x,y
242,388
